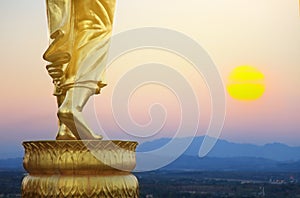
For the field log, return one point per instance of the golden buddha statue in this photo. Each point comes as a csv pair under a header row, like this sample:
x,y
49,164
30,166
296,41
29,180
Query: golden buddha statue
x,y
80,31
78,163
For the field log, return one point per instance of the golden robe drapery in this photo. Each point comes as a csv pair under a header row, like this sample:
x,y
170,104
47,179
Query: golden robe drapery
x,y
80,31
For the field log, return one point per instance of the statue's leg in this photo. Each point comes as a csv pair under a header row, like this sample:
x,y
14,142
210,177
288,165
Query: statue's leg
x,y
70,112
64,133
59,14
93,23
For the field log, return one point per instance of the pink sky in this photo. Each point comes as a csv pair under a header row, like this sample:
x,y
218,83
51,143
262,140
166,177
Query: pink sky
x,y
264,34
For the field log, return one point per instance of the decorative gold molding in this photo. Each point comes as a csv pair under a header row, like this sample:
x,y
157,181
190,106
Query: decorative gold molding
x,y
108,186
87,168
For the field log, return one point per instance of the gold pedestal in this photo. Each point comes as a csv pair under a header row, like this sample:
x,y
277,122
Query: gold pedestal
x,y
88,168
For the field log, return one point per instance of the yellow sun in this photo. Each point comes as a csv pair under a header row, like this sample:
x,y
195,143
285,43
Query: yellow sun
x,y
246,83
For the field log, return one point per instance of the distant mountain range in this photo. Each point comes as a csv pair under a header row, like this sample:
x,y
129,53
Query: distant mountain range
x,y
225,156
190,163
12,163
225,149
228,156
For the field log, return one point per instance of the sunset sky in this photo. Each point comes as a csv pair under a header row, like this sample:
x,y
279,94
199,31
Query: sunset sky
x,y
264,34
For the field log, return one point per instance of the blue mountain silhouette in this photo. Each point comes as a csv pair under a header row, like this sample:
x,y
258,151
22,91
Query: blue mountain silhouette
x,y
225,149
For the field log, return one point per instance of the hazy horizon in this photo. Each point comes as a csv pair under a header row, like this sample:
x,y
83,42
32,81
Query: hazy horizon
x,y
18,152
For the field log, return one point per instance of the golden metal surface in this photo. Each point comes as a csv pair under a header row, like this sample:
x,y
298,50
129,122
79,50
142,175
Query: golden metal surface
x,y
78,157
80,31
89,168
112,186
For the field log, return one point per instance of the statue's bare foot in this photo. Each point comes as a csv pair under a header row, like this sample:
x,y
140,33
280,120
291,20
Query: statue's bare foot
x,y
73,119
64,133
